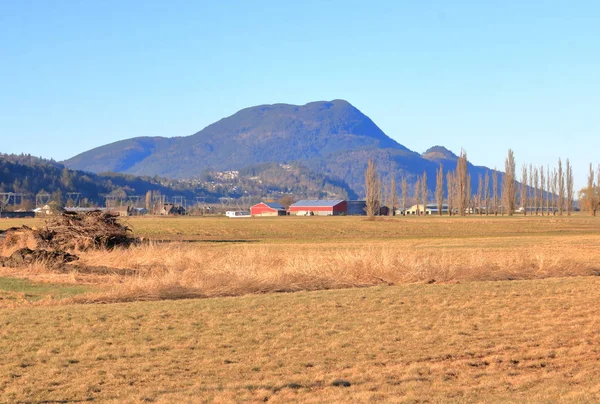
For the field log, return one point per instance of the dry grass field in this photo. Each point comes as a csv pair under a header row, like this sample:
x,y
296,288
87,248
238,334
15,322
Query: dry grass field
x,y
207,257
456,310
519,341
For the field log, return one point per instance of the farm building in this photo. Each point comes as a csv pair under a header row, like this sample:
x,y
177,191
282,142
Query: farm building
x,y
17,214
357,208
319,207
268,209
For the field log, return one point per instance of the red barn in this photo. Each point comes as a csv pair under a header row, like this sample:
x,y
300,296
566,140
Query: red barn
x,y
319,207
267,209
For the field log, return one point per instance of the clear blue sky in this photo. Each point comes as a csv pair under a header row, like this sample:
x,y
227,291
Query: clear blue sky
x,y
483,75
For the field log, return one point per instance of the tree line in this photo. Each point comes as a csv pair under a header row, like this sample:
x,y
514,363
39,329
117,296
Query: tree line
x,y
538,190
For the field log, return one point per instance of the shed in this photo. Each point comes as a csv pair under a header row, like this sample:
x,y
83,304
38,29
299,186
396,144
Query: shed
x,y
169,209
319,207
268,209
357,208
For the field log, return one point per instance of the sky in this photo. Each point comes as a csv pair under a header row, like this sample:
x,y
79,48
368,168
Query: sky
x,y
485,76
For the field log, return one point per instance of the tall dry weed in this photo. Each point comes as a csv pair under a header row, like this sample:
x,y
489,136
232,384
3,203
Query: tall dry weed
x,y
171,271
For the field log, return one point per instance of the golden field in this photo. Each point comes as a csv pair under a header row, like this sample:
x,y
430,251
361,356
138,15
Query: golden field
x,y
478,309
207,257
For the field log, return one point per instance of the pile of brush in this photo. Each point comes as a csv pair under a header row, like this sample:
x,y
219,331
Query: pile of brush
x,y
83,231
69,232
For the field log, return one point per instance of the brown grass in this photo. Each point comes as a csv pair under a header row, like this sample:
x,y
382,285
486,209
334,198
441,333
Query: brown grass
x,y
521,341
171,271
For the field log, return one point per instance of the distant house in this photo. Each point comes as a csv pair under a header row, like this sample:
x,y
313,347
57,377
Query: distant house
x,y
430,209
171,210
122,210
268,209
45,210
319,208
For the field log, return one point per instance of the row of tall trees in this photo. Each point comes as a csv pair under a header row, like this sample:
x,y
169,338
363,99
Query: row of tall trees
x,y
539,190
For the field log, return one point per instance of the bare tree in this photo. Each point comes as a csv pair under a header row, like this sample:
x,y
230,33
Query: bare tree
x,y
373,189
424,191
149,201
561,188
569,186
589,196
542,189
530,189
417,194
523,193
548,190
439,189
486,192
462,184
554,190
393,196
509,191
479,193
495,190
404,189
450,187
536,189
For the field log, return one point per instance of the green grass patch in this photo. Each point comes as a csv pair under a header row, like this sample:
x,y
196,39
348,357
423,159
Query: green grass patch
x,y
34,291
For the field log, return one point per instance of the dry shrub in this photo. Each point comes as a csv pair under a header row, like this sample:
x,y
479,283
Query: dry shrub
x,y
174,271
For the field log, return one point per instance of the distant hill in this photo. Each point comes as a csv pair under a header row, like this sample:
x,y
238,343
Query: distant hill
x,y
28,175
332,138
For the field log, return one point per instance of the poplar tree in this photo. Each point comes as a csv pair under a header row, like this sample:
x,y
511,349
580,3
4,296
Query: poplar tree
x,y
569,185
393,196
450,192
479,193
372,189
439,189
561,188
462,183
424,192
543,189
404,189
524,198
509,191
495,190
486,190
417,194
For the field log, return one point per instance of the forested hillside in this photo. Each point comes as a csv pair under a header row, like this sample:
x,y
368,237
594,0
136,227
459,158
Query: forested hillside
x,y
29,176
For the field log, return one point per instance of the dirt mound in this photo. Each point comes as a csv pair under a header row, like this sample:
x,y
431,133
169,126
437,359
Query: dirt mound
x,y
70,232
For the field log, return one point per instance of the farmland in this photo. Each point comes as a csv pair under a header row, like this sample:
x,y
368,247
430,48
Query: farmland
x,y
401,309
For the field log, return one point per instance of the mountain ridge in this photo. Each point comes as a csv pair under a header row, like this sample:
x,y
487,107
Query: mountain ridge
x,y
331,137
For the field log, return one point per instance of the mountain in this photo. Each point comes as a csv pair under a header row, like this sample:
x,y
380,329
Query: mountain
x,y
332,138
